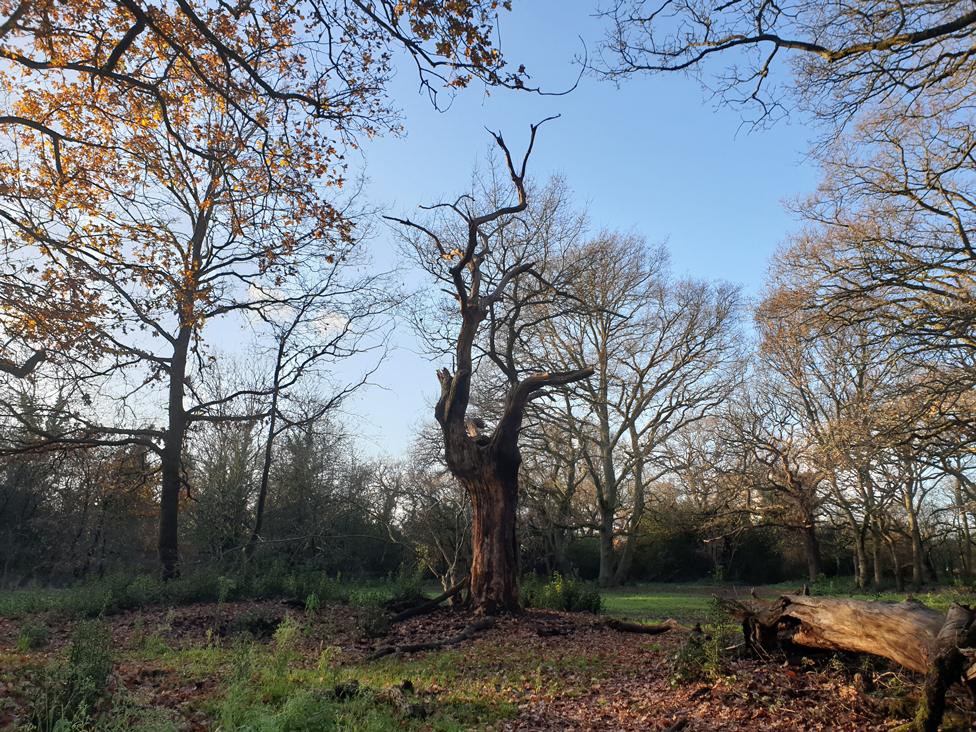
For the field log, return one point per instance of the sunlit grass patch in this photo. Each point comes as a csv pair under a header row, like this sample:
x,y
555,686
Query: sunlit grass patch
x,y
271,688
655,602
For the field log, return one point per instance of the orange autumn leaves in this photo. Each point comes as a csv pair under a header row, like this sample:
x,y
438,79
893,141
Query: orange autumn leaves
x,y
129,128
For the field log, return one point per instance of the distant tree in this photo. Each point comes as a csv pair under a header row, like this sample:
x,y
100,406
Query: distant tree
x,y
786,482
320,322
890,238
432,514
666,355
166,243
555,483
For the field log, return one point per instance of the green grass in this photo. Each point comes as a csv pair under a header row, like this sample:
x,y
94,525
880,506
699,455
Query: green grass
x,y
126,592
289,683
281,686
656,602
689,603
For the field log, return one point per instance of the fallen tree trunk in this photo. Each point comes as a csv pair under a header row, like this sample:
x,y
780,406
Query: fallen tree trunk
x,y
430,605
912,635
467,634
622,626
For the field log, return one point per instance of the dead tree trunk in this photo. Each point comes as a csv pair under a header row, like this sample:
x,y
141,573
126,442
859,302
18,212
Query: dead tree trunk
x,y
494,557
912,635
486,464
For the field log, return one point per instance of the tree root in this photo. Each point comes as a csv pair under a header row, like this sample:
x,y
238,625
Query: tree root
x,y
467,634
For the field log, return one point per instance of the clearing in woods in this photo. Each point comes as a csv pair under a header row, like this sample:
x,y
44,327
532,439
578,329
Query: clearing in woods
x,y
273,664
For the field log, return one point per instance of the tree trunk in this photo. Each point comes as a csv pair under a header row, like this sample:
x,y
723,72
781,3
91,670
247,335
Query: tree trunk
x,y
171,456
811,546
488,465
876,558
626,559
966,546
171,461
494,555
861,560
909,633
914,532
252,542
918,558
607,557
895,563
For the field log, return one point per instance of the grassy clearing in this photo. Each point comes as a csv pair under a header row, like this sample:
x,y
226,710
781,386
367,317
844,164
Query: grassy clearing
x,y
273,688
213,651
654,602
657,602
296,681
213,666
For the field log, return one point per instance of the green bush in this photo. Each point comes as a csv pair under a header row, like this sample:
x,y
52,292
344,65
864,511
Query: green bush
x,y
226,588
145,590
669,552
119,593
559,593
406,590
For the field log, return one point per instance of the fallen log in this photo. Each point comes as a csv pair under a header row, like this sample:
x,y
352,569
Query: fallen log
x,y
624,626
908,633
430,605
467,634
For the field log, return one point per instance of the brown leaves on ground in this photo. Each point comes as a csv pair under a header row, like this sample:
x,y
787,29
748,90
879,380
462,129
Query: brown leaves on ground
x,y
560,671
627,686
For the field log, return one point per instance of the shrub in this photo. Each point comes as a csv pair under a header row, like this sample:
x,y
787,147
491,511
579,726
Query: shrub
x,y
584,554
704,654
559,593
406,590
88,601
144,590
197,587
285,649
312,604
226,587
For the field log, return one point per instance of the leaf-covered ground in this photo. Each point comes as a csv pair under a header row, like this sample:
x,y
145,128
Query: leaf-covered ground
x,y
238,666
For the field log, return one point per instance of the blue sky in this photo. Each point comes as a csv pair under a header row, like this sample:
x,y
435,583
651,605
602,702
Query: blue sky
x,y
653,156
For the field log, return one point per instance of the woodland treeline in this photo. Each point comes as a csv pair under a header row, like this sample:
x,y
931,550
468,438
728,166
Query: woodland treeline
x,y
185,286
